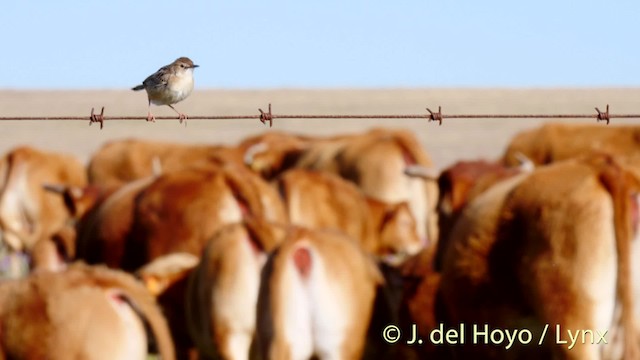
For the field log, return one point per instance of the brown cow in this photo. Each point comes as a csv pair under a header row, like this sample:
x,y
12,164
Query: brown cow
x,y
556,141
316,199
54,252
223,289
175,212
102,231
83,313
548,248
316,297
377,161
462,182
181,211
28,212
406,302
123,161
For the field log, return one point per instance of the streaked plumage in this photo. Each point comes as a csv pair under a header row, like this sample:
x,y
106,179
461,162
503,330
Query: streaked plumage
x,y
169,85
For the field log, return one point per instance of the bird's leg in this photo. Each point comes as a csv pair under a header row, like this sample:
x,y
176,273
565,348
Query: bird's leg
x,y
150,116
181,116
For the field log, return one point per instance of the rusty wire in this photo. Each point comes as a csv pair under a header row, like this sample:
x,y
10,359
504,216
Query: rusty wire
x,y
267,116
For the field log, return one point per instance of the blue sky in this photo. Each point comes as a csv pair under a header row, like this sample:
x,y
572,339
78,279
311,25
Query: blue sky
x,y
319,44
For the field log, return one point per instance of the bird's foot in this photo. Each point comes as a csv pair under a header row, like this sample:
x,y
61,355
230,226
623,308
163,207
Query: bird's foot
x,y
151,118
182,117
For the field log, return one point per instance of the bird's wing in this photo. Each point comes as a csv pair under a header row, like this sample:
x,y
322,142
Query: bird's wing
x,y
159,78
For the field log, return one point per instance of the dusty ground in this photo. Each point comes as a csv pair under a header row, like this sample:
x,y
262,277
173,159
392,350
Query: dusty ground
x,y
455,139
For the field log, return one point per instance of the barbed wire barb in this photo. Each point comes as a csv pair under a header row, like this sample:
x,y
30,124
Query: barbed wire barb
x,y
99,118
435,116
603,116
266,116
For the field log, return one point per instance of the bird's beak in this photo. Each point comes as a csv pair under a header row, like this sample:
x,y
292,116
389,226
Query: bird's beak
x,y
195,66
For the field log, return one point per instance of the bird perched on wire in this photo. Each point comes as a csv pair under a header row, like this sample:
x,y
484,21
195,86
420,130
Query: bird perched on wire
x,y
169,85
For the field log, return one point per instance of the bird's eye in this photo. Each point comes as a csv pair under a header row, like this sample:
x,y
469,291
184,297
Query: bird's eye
x,y
182,66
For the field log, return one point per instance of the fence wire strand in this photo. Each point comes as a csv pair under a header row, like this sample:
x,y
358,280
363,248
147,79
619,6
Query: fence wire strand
x,y
268,116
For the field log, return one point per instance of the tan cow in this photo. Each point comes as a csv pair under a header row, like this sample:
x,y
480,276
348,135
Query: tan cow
x,y
81,313
180,211
462,182
55,251
557,141
223,289
316,297
122,161
549,248
28,212
175,212
375,160
102,231
379,161
316,199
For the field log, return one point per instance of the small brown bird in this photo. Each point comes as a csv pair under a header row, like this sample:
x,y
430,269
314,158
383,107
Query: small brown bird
x,y
169,85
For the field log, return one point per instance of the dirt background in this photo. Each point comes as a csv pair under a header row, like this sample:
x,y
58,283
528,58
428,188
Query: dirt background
x,y
455,139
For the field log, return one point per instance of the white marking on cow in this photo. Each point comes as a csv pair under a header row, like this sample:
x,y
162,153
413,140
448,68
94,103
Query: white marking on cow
x,y
231,210
296,306
524,163
330,312
252,151
317,314
133,342
234,302
239,345
18,210
599,276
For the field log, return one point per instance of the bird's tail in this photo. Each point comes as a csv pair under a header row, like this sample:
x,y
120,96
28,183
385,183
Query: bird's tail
x,y
138,88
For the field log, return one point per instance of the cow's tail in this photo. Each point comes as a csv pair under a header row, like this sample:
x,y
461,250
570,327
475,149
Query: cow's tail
x,y
158,336
623,189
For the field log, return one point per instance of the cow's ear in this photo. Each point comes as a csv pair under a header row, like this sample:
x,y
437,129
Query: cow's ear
x,y
71,195
158,275
77,199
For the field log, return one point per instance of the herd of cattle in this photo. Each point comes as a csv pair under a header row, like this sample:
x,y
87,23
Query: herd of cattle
x,y
347,247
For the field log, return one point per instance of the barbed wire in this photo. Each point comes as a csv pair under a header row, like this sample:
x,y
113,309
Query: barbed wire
x,y
268,116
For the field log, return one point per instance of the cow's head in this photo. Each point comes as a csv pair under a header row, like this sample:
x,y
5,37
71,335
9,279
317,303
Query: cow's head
x,y
398,235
